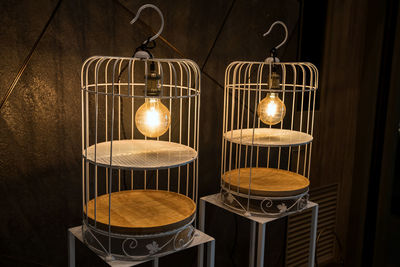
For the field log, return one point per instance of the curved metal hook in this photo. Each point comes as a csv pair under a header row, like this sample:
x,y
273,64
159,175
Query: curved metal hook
x,y
286,32
161,16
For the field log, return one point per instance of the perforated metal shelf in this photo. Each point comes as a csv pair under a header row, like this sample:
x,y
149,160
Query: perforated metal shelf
x,y
268,137
141,154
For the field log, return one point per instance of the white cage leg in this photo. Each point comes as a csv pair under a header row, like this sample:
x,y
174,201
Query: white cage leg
x,y
260,244
71,250
314,225
252,250
155,262
211,253
200,251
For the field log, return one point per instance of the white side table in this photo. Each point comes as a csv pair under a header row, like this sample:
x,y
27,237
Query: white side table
x,y
260,222
200,239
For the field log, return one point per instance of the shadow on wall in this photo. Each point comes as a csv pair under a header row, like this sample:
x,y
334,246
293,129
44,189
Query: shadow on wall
x,y
40,177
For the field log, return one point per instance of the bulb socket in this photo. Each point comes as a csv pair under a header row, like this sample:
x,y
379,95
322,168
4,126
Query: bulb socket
x,y
153,85
274,80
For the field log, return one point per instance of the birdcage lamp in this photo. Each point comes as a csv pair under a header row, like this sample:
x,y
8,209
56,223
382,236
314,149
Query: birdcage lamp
x,y
140,139
268,124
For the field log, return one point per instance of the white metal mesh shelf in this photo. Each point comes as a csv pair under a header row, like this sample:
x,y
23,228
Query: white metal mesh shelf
x,y
268,137
140,154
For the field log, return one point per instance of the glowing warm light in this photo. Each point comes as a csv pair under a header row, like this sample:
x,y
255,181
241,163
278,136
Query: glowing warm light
x,y
271,110
152,118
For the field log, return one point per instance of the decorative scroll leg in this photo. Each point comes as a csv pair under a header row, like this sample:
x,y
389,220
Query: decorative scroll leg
x,y
200,250
155,262
252,246
71,249
314,221
260,244
211,253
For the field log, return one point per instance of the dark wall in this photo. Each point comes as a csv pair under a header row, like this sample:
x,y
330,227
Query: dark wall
x,y
40,167
357,127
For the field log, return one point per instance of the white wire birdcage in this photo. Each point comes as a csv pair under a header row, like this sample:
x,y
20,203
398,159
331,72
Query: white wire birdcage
x,y
139,186
267,138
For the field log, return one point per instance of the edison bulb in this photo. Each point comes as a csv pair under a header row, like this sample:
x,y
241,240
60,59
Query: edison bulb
x,y
271,110
152,118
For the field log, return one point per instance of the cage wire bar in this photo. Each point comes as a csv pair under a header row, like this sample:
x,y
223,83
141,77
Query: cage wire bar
x,y
249,143
116,157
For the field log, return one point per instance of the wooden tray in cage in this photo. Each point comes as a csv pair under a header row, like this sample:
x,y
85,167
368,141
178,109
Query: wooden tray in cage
x,y
138,212
266,182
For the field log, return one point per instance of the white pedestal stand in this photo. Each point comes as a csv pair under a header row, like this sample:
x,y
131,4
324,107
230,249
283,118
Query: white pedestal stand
x,y
200,239
260,222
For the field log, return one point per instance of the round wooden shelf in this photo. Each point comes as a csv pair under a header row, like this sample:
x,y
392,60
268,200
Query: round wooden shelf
x,y
268,137
141,154
142,211
266,182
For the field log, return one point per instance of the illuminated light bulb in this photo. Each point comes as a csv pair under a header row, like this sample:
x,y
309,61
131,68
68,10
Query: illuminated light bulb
x,y
271,110
152,118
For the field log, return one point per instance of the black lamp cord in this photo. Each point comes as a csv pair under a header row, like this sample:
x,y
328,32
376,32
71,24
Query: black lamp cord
x,y
274,55
146,46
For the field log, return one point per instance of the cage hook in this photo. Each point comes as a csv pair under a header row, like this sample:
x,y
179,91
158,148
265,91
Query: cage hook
x,y
162,21
286,32
273,58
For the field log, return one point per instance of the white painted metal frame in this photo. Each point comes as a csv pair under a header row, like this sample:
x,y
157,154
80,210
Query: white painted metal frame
x,y
258,224
200,239
244,140
116,156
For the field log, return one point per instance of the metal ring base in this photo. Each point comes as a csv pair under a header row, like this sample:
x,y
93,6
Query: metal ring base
x,y
263,206
136,247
